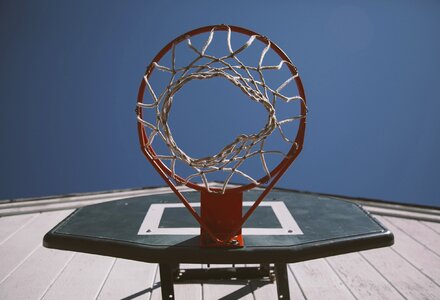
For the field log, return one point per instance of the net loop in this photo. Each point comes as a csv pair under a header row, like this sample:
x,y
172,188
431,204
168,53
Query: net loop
x,y
230,67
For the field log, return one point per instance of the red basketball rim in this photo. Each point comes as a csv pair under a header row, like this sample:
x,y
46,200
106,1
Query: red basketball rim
x,y
281,167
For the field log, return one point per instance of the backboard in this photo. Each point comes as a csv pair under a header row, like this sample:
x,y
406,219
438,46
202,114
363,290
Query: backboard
x,y
289,227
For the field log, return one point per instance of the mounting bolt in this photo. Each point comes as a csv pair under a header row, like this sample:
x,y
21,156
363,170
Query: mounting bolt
x,y
234,242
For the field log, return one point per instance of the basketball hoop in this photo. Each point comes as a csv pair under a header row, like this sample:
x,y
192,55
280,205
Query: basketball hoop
x,y
221,216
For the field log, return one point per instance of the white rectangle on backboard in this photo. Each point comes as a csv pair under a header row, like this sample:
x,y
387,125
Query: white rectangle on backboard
x,y
150,225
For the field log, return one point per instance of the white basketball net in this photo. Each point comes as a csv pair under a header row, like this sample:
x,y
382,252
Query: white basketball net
x,y
244,146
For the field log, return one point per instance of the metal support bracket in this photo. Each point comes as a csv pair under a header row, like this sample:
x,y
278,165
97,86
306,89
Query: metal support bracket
x,y
171,273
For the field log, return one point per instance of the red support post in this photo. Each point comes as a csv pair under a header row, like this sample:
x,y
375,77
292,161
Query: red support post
x,y
221,213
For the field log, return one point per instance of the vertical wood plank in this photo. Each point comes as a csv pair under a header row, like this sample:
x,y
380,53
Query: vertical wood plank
x,y
156,293
233,289
129,279
419,232
82,278
35,275
12,224
316,278
188,290
265,289
26,241
404,277
361,278
295,290
411,250
432,225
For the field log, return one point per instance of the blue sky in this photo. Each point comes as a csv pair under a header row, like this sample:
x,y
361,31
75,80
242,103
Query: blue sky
x,y
70,72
